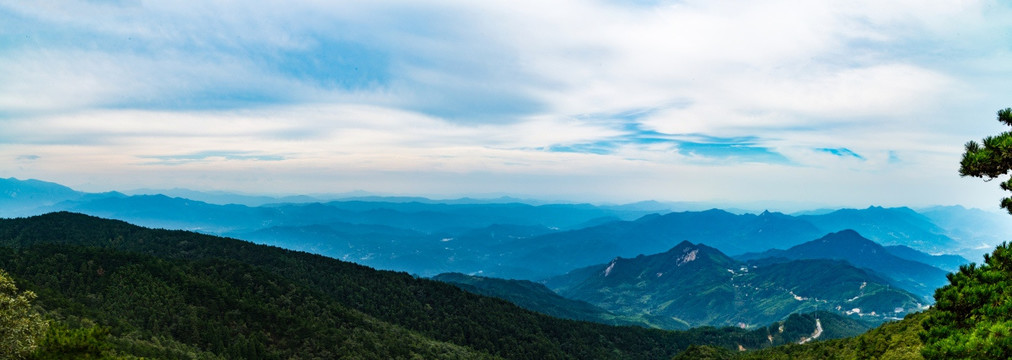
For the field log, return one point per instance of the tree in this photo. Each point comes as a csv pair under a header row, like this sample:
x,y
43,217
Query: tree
x,y
991,158
20,325
972,318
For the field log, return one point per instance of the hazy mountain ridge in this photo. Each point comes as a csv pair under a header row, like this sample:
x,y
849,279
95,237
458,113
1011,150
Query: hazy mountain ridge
x,y
945,262
848,245
650,234
533,242
887,226
978,231
25,197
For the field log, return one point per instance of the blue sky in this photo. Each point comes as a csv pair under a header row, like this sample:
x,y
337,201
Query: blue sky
x,y
818,103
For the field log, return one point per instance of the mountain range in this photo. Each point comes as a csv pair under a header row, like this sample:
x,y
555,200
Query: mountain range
x,y
508,240
887,226
911,275
115,290
164,293
696,285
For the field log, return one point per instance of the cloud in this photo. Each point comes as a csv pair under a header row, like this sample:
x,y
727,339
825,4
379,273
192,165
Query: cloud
x,y
615,95
209,156
845,152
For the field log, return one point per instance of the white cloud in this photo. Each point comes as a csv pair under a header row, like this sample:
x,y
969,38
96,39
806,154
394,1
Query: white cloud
x,y
466,96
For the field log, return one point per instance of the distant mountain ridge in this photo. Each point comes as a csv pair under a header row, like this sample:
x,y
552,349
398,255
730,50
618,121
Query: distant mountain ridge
x,y
657,233
24,197
976,230
848,245
428,237
887,226
950,263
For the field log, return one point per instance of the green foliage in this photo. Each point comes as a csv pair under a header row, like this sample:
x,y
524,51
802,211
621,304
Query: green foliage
x,y
536,297
705,352
209,308
896,340
62,342
974,312
695,285
21,326
991,158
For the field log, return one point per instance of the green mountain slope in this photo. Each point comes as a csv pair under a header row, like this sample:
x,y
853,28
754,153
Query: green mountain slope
x,y
536,297
898,340
207,308
694,285
970,320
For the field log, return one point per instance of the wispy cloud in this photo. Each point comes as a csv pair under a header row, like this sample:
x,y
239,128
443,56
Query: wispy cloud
x,y
845,152
208,156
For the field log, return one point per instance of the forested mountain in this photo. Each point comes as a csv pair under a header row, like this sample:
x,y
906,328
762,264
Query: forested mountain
x,y
176,294
694,285
536,297
970,320
893,340
848,245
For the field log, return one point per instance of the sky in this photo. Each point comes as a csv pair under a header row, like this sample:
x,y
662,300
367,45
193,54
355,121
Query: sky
x,y
818,103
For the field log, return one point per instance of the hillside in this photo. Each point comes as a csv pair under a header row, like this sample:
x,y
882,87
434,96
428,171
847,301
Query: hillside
x,y
210,291
694,285
210,308
848,245
893,340
536,297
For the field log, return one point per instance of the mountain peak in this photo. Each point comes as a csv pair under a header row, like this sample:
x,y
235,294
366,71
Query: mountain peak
x,y
841,241
845,232
685,244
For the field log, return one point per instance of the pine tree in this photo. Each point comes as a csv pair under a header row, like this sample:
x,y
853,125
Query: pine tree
x,y
991,158
973,314
972,317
